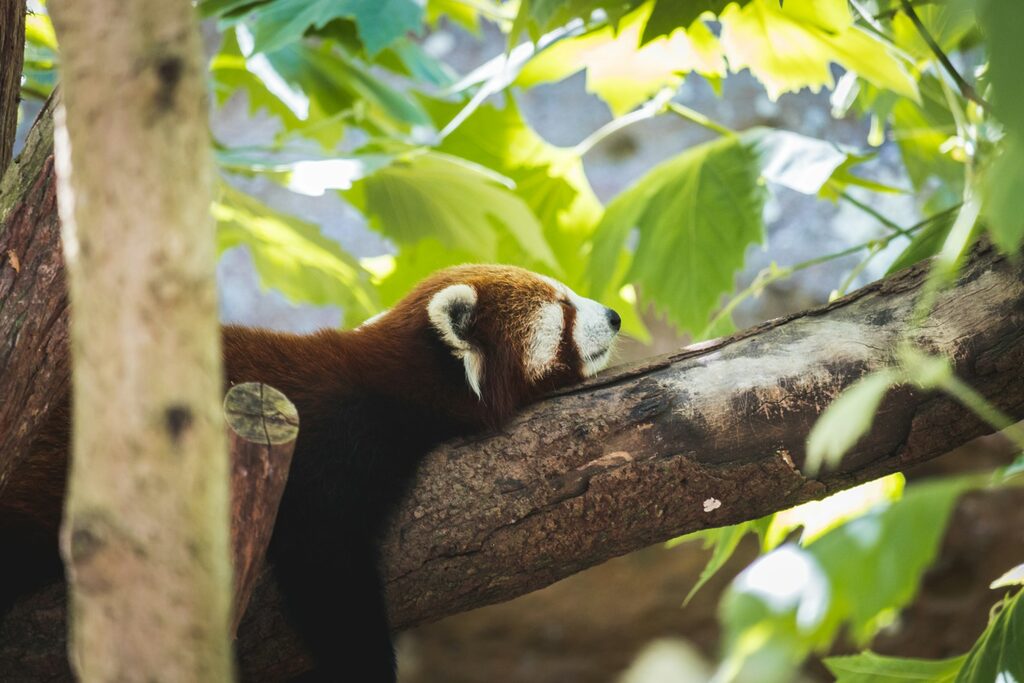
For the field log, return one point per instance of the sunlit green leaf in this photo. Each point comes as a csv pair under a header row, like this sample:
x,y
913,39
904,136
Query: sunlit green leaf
x,y
278,23
39,30
292,256
947,23
867,667
540,16
817,517
621,73
462,204
847,419
230,74
1004,201
851,580
696,214
997,655
669,15
792,47
921,130
724,540
339,88
462,13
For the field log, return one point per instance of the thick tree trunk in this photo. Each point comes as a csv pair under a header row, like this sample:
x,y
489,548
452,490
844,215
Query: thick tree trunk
x,y
709,436
12,53
145,539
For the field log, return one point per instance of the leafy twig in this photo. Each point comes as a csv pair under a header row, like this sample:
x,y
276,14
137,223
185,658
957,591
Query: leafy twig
x,y
653,107
966,89
874,213
698,118
774,274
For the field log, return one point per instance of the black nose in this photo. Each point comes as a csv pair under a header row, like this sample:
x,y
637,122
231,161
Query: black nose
x,y
613,319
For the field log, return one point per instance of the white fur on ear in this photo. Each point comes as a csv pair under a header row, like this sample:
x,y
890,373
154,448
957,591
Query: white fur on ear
x,y
450,311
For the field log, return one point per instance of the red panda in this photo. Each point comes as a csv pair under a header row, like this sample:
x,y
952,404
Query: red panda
x,y
464,350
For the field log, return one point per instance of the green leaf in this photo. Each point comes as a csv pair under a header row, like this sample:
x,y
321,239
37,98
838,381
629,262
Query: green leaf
x,y
996,657
340,88
926,243
799,162
725,540
279,23
852,580
669,15
230,73
921,130
947,23
818,517
696,214
540,16
462,13
847,419
867,667
791,47
1004,201
226,8
292,256
465,206
621,73
1013,577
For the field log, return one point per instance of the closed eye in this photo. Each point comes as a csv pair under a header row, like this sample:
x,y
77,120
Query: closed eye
x,y
567,302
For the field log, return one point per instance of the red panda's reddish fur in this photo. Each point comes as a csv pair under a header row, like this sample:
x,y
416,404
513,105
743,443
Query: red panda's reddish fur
x,y
371,402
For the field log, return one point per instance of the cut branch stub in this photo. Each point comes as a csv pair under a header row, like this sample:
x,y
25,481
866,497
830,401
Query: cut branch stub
x,y
262,428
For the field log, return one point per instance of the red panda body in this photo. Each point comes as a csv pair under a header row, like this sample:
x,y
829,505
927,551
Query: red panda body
x,y
461,353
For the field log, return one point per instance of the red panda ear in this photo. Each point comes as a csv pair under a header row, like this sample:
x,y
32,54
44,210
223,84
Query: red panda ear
x,y
451,313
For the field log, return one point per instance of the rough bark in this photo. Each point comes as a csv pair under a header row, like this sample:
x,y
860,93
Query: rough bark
x,y
33,299
12,53
591,626
262,427
645,453
146,535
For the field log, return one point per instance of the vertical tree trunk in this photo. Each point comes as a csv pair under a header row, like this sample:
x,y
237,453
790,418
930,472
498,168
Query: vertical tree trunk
x,y
145,538
12,53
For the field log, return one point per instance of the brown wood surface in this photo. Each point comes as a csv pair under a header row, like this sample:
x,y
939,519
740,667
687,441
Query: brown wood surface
x,y
262,428
33,297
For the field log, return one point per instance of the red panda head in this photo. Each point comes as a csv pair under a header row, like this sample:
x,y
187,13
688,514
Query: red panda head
x,y
515,334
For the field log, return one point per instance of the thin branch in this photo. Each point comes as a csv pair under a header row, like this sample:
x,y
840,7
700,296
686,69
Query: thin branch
x,y
966,89
655,106
877,215
700,119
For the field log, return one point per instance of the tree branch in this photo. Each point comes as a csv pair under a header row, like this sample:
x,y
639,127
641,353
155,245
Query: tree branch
x,y
33,298
709,436
966,89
